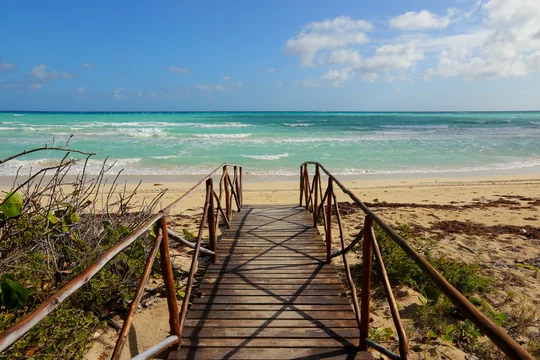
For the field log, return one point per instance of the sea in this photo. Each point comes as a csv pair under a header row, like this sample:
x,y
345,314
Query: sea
x,y
270,145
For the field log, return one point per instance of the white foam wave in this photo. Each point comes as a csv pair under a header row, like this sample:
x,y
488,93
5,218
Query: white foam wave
x,y
537,123
3,128
166,157
143,132
17,114
415,126
222,136
298,124
160,123
266,157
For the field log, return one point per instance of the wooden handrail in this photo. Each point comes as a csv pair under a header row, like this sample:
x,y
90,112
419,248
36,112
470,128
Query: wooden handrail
x,y
495,333
14,333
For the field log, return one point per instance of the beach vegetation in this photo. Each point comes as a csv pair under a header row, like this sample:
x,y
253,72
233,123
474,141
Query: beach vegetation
x,y
53,225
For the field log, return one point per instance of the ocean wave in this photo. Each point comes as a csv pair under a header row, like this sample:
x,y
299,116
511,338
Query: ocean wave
x,y
159,123
298,124
414,126
222,136
266,157
3,128
17,115
166,157
143,132
536,123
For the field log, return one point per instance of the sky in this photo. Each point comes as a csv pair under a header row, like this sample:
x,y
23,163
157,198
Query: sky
x,y
362,55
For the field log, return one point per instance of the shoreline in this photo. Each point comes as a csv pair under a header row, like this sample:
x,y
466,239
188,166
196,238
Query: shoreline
x,y
379,180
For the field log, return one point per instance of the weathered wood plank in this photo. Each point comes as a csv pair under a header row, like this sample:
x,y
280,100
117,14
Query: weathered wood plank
x,y
271,353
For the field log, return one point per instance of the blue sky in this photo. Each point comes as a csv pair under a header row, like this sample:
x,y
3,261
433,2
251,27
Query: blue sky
x,y
365,55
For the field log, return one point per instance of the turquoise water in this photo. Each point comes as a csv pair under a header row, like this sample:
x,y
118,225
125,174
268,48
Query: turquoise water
x,y
275,143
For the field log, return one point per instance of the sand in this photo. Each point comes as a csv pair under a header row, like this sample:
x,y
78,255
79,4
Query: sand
x,y
482,203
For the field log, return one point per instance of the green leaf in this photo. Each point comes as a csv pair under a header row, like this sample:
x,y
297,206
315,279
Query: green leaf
x,y
431,334
12,206
431,293
180,293
52,219
74,218
14,294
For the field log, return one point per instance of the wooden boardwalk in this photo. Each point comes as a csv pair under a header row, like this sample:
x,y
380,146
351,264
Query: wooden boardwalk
x,y
271,295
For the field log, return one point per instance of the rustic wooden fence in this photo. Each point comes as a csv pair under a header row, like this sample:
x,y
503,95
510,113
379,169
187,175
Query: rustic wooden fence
x,y
323,203
215,205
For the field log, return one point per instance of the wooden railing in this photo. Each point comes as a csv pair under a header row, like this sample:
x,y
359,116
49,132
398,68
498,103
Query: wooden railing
x,y
323,203
212,209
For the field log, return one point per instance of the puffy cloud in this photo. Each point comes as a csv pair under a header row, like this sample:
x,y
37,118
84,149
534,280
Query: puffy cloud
x,y
369,77
178,70
422,20
271,70
325,35
346,57
505,46
40,73
337,77
88,66
226,78
394,57
5,67
118,94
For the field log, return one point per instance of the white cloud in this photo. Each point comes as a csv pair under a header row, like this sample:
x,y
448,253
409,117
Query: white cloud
x,y
178,70
346,57
325,35
88,66
369,77
35,86
226,78
422,20
279,84
219,87
118,94
504,46
389,78
341,23
394,57
338,76
39,72
153,94
271,70
5,67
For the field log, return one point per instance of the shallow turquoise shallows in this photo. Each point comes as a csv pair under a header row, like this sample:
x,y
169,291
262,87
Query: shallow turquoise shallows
x,y
275,143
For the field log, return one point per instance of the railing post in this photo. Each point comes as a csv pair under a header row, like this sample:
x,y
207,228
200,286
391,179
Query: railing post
x,y
241,189
301,183
366,283
168,279
306,187
212,219
228,205
236,188
329,222
316,199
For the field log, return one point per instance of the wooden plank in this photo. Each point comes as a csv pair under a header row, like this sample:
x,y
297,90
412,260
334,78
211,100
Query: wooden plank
x,y
264,292
263,280
269,343
318,323
207,287
271,300
275,314
270,353
261,333
256,307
